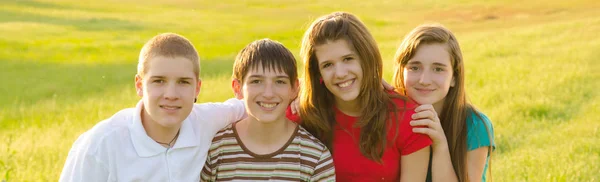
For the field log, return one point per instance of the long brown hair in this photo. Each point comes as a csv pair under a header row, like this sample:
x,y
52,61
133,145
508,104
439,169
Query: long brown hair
x,y
456,107
317,103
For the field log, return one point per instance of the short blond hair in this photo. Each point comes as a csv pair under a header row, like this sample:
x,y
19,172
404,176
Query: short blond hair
x,y
168,45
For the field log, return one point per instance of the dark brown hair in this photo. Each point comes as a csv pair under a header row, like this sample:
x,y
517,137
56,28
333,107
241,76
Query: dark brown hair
x,y
267,54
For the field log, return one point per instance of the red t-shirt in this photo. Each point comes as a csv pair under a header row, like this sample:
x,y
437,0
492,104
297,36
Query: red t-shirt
x,y
351,165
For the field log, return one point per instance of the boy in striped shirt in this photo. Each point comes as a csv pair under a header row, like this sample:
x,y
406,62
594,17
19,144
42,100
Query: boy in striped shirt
x,y
266,145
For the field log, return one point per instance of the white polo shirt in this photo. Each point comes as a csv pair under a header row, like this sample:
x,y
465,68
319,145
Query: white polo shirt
x,y
118,148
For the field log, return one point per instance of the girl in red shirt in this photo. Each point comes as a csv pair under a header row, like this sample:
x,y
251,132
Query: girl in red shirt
x,y
343,104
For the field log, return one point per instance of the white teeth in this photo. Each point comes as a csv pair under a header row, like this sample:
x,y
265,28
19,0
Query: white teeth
x,y
170,107
267,105
345,84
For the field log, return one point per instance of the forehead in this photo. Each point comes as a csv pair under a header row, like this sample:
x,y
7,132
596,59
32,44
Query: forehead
x,y
333,50
431,53
170,67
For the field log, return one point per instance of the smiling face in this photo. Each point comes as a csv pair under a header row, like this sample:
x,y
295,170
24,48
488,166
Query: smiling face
x,y
266,93
428,74
168,89
340,69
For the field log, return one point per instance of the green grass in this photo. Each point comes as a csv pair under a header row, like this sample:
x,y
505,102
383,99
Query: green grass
x,y
531,67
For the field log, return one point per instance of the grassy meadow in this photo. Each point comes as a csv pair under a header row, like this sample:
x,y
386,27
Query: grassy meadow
x,y
532,67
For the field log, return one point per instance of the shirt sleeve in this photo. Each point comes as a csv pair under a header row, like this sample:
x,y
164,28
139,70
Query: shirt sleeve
x,y
408,141
83,165
480,132
229,111
325,170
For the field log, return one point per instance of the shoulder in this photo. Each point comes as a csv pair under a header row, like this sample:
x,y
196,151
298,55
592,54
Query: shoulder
x,y
224,133
480,131
105,132
308,139
401,112
403,103
223,141
223,137
478,121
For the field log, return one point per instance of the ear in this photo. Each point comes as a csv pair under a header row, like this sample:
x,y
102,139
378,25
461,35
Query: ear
x,y
453,82
139,85
198,85
236,86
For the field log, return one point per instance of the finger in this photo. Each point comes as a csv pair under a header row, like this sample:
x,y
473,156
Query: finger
x,y
427,123
422,122
295,106
424,114
386,85
424,107
426,131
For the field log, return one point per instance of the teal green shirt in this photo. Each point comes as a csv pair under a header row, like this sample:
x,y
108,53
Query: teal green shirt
x,y
477,136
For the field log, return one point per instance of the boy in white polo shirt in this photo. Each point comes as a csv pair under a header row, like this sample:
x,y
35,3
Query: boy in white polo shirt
x,y
166,137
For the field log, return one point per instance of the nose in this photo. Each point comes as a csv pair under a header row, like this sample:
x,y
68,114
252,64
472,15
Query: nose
x,y
340,71
268,92
171,92
424,78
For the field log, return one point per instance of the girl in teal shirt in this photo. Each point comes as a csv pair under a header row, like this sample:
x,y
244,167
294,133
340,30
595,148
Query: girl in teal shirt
x,y
429,69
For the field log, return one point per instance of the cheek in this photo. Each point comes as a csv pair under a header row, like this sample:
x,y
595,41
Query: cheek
x,y
409,79
151,90
357,68
444,80
325,75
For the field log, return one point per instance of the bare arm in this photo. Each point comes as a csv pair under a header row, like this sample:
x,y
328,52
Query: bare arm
x,y
476,163
441,165
442,169
413,167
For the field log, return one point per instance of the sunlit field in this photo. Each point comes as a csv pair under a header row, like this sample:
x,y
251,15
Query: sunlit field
x,y
532,67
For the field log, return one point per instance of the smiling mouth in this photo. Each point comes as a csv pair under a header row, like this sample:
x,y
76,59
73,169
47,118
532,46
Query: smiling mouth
x,y
346,83
267,105
170,107
424,90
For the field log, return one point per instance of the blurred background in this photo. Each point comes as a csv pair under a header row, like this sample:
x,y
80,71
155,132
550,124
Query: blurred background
x,y
531,66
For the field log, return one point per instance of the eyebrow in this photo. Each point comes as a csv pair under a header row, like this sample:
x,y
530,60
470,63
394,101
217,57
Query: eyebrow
x,y
163,77
351,54
434,63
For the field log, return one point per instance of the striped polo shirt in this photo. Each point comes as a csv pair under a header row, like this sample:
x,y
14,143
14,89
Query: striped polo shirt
x,y
302,158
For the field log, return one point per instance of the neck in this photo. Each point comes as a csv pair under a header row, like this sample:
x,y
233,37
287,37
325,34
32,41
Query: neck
x,y
158,132
265,133
350,108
